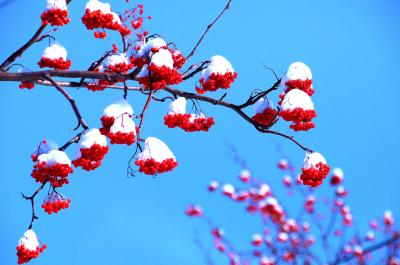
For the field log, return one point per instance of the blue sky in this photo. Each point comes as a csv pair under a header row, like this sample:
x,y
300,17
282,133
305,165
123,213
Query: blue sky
x,y
352,49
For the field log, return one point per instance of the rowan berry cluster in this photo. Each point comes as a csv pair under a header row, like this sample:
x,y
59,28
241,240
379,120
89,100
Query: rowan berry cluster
x,y
55,17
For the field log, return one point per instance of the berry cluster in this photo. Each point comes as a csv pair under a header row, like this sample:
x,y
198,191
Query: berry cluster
x,y
314,176
25,255
117,137
91,157
152,167
100,85
56,205
194,211
55,17
26,84
304,85
99,20
160,76
216,81
187,123
56,173
59,63
267,117
121,68
300,118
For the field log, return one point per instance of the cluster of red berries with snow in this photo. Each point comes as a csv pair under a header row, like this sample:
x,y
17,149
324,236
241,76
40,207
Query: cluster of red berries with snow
x,y
296,103
56,13
117,122
55,202
315,169
156,157
54,166
265,113
92,149
218,74
177,117
99,16
194,211
159,64
29,247
115,63
55,56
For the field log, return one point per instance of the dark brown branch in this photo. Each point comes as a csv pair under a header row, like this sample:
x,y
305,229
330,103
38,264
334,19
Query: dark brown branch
x,y
81,121
208,28
32,199
146,106
38,75
21,50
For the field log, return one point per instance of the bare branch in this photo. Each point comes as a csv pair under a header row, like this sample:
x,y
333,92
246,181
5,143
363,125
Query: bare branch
x,y
81,121
208,28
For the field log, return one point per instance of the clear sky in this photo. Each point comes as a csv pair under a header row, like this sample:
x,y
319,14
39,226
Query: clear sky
x,y
352,48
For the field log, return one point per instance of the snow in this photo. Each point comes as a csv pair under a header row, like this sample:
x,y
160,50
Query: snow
x,y
118,108
105,8
56,4
91,137
116,59
296,70
151,43
297,98
29,240
228,189
194,116
54,157
218,65
156,149
312,159
257,237
163,58
123,124
178,106
338,172
55,51
262,104
143,72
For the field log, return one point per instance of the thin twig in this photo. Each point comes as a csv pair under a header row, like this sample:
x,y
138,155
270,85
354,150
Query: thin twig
x,y
208,28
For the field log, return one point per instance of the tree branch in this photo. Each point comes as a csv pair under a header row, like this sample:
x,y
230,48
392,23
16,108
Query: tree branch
x,y
208,28
81,121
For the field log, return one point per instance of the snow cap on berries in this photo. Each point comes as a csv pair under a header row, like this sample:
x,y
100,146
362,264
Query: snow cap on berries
x,y
155,149
296,71
245,175
178,106
228,189
163,58
91,137
218,65
388,218
95,5
312,159
263,104
146,47
55,51
54,157
118,108
116,59
29,240
56,4
123,125
297,98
